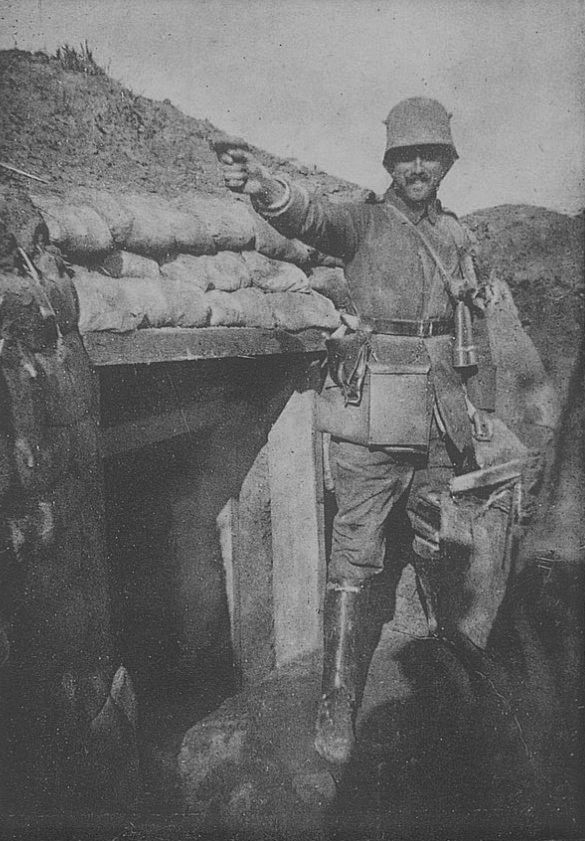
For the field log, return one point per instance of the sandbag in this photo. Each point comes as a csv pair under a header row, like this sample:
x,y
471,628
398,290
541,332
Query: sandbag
x,y
292,311
103,304
255,307
139,302
228,223
332,283
117,217
146,224
273,244
274,275
127,264
75,228
122,304
186,268
147,301
225,311
226,271
478,539
191,235
158,228
186,303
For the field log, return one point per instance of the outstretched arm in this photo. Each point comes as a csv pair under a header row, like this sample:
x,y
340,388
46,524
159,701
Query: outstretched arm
x,y
333,229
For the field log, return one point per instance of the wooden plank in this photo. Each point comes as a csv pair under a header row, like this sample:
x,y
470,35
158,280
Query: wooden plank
x,y
227,528
175,344
487,476
298,576
245,534
253,556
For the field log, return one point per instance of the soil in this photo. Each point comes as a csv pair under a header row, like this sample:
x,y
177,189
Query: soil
x,y
539,253
75,128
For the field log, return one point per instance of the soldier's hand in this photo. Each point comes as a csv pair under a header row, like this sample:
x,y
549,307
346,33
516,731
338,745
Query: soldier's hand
x,y
483,426
242,173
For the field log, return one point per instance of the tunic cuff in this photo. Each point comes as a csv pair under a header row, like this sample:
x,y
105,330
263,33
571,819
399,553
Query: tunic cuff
x,y
277,207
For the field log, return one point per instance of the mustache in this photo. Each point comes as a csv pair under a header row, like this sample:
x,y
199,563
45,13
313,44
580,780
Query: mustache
x,y
418,176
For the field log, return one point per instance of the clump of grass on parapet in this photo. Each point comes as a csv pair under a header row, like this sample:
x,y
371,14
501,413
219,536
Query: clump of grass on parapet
x,y
81,59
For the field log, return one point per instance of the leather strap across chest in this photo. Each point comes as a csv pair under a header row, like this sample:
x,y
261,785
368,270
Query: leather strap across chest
x,y
445,276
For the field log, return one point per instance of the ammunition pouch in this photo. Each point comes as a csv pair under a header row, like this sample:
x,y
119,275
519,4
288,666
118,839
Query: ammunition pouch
x,y
377,392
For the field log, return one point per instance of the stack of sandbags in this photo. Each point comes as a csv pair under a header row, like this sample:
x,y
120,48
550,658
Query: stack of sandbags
x,y
227,290
124,304
194,261
227,271
90,222
85,221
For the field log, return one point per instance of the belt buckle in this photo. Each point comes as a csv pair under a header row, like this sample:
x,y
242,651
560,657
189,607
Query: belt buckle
x,y
425,329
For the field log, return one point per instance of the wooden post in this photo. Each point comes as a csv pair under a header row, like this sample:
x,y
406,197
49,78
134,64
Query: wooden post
x,y
296,496
245,532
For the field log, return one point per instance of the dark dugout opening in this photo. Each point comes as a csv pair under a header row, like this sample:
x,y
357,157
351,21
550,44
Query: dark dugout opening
x,y
210,420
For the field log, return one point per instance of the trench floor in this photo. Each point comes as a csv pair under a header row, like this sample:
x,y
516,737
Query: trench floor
x,y
453,743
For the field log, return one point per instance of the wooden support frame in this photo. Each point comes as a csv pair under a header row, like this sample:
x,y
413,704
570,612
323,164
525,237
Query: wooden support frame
x,y
296,495
176,344
273,628
275,581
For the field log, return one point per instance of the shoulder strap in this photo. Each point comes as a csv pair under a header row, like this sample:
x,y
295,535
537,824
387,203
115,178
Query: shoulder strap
x,y
445,276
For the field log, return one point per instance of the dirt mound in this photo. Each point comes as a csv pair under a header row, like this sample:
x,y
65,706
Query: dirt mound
x,y
83,128
539,253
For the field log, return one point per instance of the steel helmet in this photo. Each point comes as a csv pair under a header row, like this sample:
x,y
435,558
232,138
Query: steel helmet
x,y
418,121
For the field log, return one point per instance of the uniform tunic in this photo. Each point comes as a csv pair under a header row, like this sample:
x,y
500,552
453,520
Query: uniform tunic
x,y
392,275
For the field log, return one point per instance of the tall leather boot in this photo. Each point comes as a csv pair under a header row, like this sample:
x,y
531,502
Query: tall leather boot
x,y
345,666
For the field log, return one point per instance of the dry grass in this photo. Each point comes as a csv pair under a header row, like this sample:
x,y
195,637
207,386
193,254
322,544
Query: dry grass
x,y
80,60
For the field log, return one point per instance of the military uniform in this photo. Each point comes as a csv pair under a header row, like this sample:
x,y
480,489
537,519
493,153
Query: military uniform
x,y
395,285
409,268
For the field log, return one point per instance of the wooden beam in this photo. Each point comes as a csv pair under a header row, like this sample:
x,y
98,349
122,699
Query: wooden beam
x,y
175,344
245,534
487,476
296,497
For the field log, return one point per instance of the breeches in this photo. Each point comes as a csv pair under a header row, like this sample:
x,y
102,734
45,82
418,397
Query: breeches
x,y
369,483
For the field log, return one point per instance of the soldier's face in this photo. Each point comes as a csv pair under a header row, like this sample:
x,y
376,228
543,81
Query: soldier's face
x,y
417,172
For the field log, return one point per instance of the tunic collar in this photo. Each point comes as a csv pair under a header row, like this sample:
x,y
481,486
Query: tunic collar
x,y
431,211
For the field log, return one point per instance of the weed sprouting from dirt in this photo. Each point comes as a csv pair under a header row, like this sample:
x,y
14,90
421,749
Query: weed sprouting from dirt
x,y
80,60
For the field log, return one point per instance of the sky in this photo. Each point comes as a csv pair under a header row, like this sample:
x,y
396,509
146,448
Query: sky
x,y
314,79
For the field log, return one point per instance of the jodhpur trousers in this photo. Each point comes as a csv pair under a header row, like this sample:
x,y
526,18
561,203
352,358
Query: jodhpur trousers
x,y
369,483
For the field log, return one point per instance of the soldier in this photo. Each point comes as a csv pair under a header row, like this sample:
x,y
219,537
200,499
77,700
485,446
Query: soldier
x,y
409,271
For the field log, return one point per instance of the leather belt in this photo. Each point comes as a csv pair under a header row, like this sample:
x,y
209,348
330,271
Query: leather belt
x,y
404,327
